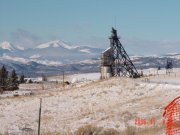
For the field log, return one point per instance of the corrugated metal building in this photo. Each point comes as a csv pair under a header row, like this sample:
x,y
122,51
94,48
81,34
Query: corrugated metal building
x,y
105,63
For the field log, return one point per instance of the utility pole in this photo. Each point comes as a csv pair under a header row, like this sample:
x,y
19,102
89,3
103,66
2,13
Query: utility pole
x,y
63,79
39,122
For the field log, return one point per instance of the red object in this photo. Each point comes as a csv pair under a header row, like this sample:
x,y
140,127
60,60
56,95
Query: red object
x,y
172,117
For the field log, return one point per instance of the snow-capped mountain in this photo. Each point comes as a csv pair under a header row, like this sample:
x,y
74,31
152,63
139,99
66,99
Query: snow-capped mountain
x,y
49,58
58,44
20,47
53,53
55,44
62,52
54,56
7,46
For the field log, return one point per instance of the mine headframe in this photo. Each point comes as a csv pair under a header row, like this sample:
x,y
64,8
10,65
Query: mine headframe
x,y
122,64
169,66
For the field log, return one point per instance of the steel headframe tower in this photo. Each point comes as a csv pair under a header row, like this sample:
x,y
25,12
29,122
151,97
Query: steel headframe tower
x,y
122,65
169,66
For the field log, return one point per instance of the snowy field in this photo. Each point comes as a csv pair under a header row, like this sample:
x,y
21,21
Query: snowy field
x,y
76,77
115,103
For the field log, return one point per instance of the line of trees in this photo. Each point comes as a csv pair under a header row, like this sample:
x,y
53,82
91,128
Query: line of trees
x,y
8,81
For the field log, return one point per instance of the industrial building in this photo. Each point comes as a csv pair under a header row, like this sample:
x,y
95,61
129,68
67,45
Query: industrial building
x,y
115,61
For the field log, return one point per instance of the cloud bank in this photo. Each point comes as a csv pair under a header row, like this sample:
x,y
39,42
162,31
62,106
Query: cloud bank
x,y
136,46
24,38
148,47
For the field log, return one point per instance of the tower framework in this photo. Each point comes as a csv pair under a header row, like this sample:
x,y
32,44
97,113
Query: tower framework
x,y
122,64
169,66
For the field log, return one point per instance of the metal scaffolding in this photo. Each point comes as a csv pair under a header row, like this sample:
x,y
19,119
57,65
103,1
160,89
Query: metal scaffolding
x,y
122,64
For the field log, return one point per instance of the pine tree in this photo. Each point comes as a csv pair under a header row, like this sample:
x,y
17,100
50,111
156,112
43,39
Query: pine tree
x,y
13,80
22,79
44,78
3,78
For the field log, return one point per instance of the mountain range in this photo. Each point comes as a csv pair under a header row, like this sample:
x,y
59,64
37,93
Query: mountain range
x,y
54,57
48,57
52,53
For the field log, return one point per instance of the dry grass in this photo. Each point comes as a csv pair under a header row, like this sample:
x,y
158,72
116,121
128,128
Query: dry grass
x,y
149,131
56,133
130,130
91,130
117,109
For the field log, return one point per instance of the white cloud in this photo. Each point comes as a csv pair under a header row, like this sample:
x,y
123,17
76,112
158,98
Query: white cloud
x,y
138,46
20,47
35,56
132,45
24,38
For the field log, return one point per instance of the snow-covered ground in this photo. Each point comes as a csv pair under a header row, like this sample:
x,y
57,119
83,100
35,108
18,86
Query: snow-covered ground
x,y
76,77
113,103
84,77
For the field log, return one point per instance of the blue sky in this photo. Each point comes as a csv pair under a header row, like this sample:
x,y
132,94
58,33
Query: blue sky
x,y
142,24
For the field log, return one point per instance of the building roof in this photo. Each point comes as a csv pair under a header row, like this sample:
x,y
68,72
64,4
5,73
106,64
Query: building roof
x,y
108,50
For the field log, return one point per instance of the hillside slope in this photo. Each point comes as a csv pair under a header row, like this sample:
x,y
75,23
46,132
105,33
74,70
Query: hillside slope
x,y
113,103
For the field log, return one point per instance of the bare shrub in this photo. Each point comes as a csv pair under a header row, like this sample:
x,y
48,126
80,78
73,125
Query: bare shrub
x,y
110,132
130,130
150,131
90,130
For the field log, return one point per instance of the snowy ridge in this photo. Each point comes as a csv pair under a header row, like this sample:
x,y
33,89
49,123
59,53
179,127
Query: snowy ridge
x,y
35,56
54,52
85,50
7,46
26,61
56,43
20,47
57,53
